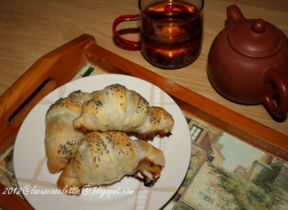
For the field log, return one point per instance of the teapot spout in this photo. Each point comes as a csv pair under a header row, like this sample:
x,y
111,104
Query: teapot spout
x,y
234,14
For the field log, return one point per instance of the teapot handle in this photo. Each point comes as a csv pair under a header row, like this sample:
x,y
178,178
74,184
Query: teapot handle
x,y
280,109
234,14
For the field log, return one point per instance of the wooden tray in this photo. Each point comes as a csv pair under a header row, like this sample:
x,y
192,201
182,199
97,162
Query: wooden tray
x,y
61,65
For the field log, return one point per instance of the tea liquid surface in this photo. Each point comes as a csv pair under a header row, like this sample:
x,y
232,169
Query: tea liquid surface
x,y
171,34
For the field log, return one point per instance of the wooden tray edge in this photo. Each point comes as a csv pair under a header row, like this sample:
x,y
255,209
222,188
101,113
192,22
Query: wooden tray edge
x,y
85,49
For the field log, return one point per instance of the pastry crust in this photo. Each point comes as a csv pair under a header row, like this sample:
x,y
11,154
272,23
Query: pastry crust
x,y
105,157
61,139
119,109
87,136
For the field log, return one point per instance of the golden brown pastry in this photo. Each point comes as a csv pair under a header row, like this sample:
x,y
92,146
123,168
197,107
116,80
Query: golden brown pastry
x,y
61,139
105,157
117,108
157,122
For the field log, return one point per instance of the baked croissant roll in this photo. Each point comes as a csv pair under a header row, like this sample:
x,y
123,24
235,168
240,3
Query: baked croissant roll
x,y
117,108
105,157
61,139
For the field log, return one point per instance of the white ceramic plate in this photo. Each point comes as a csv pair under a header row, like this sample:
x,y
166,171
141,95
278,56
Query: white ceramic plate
x,y
39,186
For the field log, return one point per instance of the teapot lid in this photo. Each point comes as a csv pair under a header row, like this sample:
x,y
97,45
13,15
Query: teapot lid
x,y
255,38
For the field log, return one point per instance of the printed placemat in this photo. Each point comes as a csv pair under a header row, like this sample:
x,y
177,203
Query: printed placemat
x,y
224,172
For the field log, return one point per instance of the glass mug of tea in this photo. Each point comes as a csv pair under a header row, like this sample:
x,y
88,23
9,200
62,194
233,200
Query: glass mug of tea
x,y
170,32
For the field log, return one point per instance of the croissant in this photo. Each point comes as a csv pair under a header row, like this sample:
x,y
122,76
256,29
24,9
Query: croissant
x,y
61,139
117,108
105,157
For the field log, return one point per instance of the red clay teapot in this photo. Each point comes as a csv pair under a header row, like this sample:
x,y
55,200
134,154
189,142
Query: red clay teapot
x,y
248,63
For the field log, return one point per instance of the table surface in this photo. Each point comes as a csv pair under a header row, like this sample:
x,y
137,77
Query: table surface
x,y
31,28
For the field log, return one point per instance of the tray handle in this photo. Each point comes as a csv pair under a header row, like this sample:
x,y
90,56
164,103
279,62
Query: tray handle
x,y
48,73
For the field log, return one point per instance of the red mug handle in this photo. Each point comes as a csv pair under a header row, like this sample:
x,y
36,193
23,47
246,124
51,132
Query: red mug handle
x,y
280,110
121,42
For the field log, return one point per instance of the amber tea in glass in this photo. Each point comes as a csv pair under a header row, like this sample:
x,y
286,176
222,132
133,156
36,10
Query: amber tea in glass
x,y
170,32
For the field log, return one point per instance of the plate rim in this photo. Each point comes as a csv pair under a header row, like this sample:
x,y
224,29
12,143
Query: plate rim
x,y
107,76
